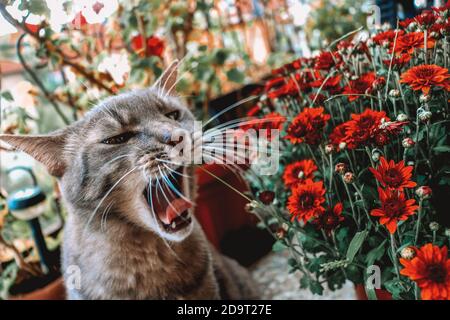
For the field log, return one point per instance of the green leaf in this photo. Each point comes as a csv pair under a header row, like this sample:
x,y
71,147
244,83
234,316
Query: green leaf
x,y
370,292
235,75
7,96
316,287
375,254
279,246
439,149
356,244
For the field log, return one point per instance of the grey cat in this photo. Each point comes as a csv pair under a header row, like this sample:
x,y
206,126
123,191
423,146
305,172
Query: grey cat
x,y
122,245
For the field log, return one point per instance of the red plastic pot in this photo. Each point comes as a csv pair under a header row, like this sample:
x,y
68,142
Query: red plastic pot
x,y
220,209
381,294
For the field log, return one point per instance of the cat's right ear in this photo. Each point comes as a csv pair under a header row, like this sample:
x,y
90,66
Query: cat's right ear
x,y
168,79
47,149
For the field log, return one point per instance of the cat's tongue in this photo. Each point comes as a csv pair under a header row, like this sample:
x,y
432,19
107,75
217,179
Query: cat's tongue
x,y
176,208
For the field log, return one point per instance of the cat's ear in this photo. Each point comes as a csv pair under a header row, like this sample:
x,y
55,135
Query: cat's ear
x,y
169,78
47,149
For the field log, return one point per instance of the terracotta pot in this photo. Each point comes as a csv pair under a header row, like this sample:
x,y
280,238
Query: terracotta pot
x,y
53,291
381,294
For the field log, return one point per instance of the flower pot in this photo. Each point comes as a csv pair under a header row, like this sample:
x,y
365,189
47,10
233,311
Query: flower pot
x,y
381,294
55,290
218,208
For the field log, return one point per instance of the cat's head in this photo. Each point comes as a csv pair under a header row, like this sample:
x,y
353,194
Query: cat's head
x,y
115,163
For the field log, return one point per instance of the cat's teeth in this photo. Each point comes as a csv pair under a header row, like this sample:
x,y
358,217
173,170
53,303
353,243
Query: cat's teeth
x,y
173,225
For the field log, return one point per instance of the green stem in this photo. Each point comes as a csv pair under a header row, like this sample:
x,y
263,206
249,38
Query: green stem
x,y
419,217
394,255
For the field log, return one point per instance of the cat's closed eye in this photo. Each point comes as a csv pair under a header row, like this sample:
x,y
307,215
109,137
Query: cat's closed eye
x,y
174,115
120,138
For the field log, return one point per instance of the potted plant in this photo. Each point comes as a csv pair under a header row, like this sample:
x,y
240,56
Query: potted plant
x,y
360,194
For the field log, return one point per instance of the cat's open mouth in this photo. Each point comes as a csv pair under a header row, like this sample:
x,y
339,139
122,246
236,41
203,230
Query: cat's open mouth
x,y
170,207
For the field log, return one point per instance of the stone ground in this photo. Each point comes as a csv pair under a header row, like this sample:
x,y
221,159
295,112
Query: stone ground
x,y
276,283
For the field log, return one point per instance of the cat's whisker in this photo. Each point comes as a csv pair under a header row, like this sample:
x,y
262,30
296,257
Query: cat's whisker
x,y
104,216
107,194
234,105
176,172
178,80
171,186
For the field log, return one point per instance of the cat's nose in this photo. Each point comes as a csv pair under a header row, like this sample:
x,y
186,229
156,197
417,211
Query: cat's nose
x,y
166,137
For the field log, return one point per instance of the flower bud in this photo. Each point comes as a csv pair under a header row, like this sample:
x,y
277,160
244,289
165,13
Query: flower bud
x,y
266,197
434,226
408,253
424,98
410,163
447,232
379,83
376,153
342,145
329,148
408,143
340,168
281,233
412,26
349,177
301,174
394,93
424,116
251,206
424,192
402,117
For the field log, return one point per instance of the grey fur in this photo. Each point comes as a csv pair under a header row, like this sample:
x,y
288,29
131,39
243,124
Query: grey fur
x,y
128,256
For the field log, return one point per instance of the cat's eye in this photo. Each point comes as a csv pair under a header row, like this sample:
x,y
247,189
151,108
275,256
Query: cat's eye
x,y
174,115
120,138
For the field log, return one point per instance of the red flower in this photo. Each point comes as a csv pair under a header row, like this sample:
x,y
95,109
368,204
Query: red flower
x,y
393,175
266,197
338,136
154,46
327,60
331,84
329,219
426,76
306,200
363,85
299,171
410,41
426,18
271,121
274,83
307,126
386,36
394,208
430,269
398,62
362,127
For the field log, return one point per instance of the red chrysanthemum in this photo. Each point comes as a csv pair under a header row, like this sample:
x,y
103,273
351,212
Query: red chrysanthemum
x,y
394,208
426,76
393,175
329,219
307,126
306,200
362,85
338,135
430,269
299,171
398,62
386,36
332,84
274,83
327,60
362,127
410,41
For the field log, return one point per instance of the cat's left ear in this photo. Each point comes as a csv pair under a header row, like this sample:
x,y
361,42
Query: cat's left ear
x,y
47,149
169,78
